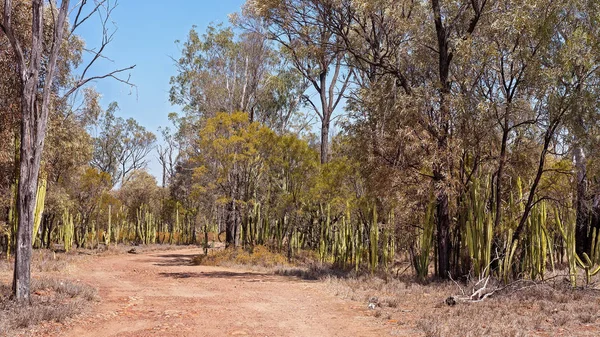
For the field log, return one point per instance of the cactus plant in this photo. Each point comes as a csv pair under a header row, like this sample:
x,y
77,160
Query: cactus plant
x,y
39,209
68,229
108,227
421,254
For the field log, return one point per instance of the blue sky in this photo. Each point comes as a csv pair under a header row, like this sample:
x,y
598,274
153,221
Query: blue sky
x,y
147,30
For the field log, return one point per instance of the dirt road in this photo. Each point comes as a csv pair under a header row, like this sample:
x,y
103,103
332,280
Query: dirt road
x,y
161,294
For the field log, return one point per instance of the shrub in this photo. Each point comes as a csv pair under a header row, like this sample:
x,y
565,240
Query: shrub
x,y
258,256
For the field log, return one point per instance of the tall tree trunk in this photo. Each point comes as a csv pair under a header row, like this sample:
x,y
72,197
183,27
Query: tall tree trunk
x,y
236,228
50,227
500,174
440,169
594,217
325,141
538,176
583,210
34,110
230,225
31,150
444,249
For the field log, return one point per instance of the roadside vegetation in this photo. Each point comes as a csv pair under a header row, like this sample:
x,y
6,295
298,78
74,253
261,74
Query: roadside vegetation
x,y
55,298
422,141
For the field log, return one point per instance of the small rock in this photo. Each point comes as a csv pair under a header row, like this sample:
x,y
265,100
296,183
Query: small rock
x,y
450,301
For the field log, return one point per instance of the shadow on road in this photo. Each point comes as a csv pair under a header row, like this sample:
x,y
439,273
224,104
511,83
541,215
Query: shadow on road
x,y
250,277
171,260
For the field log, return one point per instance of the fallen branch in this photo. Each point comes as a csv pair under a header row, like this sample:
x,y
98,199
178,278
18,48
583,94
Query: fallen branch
x,y
480,293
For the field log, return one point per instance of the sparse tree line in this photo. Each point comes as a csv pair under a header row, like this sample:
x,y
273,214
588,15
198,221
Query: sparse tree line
x,y
466,137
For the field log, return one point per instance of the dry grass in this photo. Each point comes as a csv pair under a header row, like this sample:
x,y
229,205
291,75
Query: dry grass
x,y
52,300
313,271
42,260
540,310
64,287
259,256
548,309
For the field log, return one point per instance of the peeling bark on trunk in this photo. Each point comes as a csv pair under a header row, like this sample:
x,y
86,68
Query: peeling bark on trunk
x,y
34,121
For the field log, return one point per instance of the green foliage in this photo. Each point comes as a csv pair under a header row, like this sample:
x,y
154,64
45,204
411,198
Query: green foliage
x,y
567,230
421,250
67,231
39,208
121,146
479,229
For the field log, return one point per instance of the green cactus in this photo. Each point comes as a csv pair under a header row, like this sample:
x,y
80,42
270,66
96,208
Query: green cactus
x,y
374,241
39,209
568,234
421,254
67,230
479,229
588,263
108,227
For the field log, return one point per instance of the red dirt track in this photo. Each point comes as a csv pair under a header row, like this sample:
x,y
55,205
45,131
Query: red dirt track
x,y
162,294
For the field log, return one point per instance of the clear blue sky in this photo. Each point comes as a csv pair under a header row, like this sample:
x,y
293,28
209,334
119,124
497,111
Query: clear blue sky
x,y
147,30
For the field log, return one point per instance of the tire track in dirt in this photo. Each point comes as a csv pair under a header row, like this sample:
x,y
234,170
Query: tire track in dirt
x,y
161,294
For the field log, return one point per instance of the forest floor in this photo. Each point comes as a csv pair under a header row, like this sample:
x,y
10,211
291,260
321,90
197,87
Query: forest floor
x,y
161,293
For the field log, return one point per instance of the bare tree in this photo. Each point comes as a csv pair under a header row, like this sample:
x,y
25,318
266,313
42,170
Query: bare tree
x,y
36,74
121,147
168,155
137,144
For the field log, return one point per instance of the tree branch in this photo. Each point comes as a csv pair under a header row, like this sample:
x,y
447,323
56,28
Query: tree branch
x,y
112,74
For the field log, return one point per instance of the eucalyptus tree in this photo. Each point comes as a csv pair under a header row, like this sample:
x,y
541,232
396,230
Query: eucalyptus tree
x,y
242,62
37,62
582,58
227,165
168,155
121,146
409,50
302,29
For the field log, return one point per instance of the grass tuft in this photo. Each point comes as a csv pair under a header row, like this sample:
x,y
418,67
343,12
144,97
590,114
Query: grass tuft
x,y
51,300
259,256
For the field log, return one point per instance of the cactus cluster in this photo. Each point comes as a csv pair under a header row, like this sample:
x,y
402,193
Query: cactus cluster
x,y
421,249
345,241
66,231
